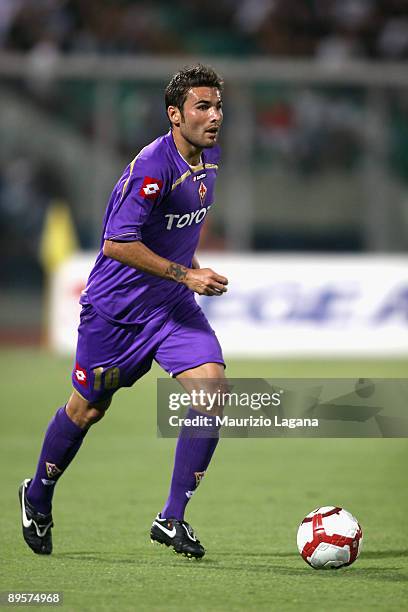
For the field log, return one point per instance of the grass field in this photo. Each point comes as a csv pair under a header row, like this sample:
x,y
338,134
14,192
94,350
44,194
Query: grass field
x,y
246,511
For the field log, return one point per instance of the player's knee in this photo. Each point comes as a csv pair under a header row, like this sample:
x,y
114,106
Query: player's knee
x,y
207,386
210,394
214,371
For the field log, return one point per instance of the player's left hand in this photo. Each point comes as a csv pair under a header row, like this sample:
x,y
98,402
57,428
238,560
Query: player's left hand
x,y
205,281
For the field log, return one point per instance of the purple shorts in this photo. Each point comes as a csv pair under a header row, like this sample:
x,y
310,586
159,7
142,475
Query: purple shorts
x,y
112,356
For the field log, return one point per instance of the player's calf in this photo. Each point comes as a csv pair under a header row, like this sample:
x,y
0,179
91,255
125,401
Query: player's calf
x,y
62,441
84,413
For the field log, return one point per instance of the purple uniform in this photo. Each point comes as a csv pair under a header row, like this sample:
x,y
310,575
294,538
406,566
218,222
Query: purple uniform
x,y
130,317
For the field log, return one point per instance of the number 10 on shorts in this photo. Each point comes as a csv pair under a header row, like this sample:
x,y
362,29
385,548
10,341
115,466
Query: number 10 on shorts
x,y
106,379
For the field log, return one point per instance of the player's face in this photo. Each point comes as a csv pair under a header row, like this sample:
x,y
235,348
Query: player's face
x,y
202,116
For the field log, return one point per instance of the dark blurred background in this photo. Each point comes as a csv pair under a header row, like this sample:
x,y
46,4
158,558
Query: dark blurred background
x,y
315,140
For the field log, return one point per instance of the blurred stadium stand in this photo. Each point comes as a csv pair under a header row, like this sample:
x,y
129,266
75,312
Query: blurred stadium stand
x,y
315,141
326,29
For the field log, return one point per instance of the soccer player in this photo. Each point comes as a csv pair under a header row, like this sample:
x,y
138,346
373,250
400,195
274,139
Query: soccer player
x,y
139,305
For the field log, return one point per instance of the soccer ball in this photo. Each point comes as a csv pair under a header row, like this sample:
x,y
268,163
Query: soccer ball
x,y
329,537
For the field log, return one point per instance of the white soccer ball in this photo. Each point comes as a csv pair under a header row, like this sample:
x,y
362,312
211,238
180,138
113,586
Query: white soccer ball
x,y
329,537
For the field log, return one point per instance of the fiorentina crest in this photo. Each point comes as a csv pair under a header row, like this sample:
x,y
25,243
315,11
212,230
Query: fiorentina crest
x,y
198,476
52,470
202,190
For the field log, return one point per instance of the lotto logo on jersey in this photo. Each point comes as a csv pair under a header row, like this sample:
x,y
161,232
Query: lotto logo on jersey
x,y
150,188
81,375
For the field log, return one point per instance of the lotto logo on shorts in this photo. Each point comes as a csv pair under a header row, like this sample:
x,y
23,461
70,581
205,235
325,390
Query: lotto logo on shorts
x,y
150,188
81,375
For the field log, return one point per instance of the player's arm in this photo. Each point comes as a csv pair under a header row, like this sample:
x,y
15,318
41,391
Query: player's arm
x,y
135,254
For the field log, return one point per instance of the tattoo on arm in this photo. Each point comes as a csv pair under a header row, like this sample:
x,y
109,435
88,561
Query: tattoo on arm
x,y
177,272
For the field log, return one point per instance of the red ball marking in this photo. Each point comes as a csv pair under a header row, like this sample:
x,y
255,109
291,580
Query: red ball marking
x,y
320,535
335,510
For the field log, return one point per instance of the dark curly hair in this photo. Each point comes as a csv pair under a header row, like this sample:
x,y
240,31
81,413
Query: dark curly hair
x,y
190,76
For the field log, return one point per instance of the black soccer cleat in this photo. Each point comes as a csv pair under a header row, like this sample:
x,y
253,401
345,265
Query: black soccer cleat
x,y
177,534
36,526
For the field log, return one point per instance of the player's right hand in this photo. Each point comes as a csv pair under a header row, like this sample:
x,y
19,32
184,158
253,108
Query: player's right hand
x,y
205,281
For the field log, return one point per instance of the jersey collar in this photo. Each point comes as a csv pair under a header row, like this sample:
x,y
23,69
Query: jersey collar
x,y
193,169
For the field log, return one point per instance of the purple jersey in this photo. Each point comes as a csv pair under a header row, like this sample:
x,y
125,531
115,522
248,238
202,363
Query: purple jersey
x,y
162,201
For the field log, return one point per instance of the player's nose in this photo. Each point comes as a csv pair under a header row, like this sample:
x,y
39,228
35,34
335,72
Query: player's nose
x,y
215,115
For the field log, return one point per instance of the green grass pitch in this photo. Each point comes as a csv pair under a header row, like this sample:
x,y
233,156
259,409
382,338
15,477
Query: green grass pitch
x,y
246,511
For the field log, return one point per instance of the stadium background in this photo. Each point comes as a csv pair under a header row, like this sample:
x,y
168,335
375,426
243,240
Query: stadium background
x,y
315,164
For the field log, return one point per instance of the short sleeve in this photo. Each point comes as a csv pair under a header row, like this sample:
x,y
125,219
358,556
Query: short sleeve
x,y
134,201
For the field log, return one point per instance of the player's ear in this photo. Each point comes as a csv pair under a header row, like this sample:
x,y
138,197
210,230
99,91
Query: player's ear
x,y
174,115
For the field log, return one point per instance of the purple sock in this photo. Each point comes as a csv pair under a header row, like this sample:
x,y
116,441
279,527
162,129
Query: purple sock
x,y
61,443
195,447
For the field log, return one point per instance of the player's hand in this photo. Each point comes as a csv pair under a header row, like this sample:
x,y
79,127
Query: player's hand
x,y
205,281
